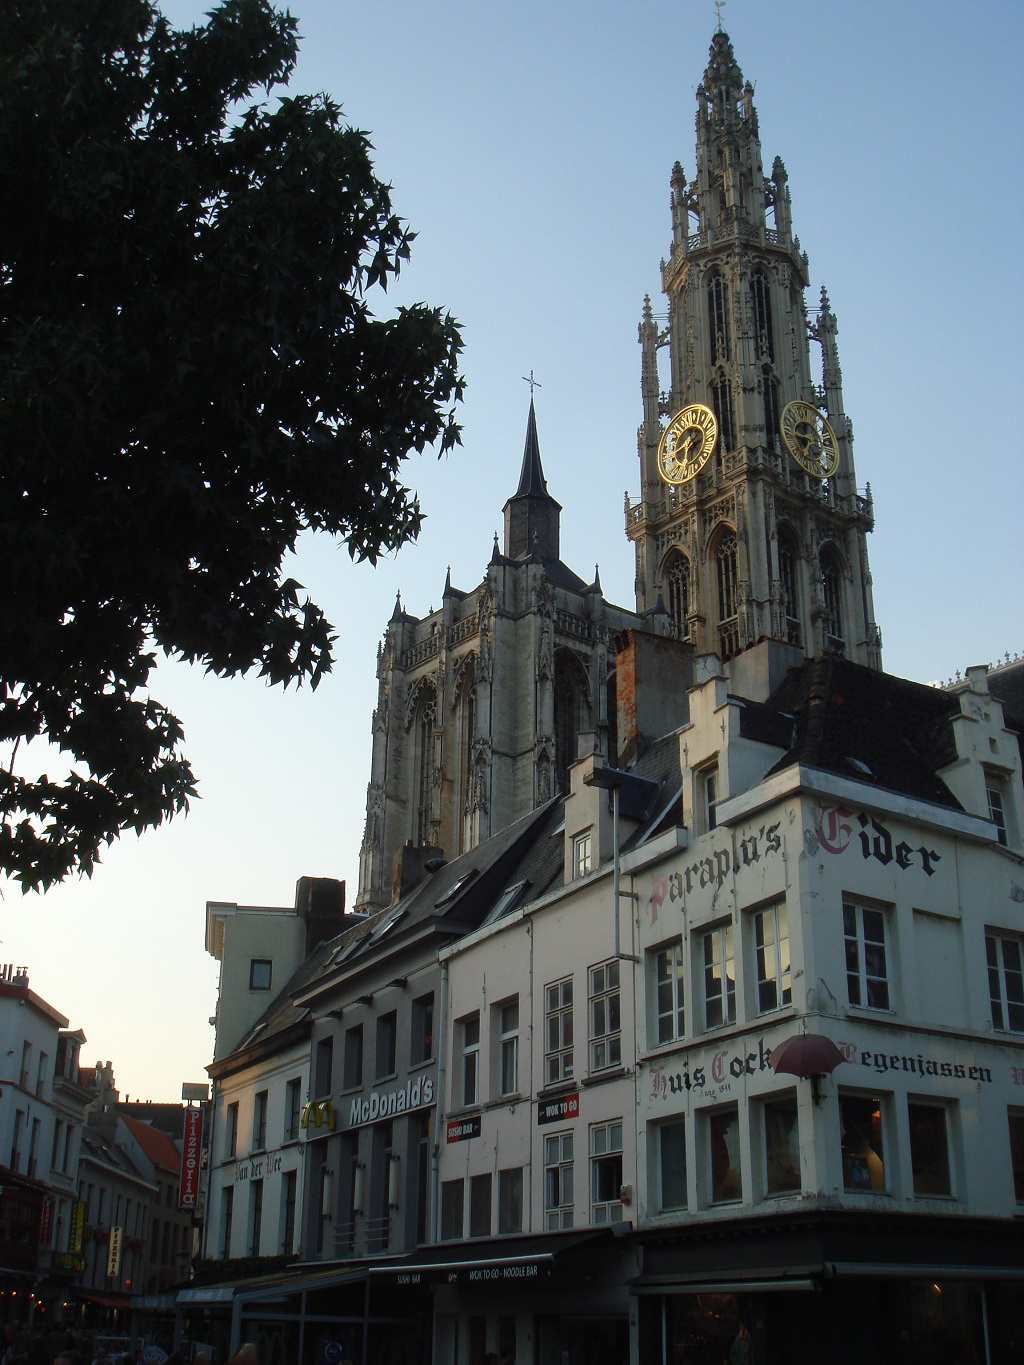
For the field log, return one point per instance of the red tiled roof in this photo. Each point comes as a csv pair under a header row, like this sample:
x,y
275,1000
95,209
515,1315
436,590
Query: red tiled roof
x,y
157,1146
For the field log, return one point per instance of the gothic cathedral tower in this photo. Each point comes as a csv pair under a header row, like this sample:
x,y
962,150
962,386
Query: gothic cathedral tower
x,y
749,522
483,704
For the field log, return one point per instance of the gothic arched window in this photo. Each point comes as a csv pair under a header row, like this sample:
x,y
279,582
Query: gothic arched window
x,y
676,579
832,597
465,721
787,580
424,726
761,307
718,318
770,395
721,402
726,571
572,711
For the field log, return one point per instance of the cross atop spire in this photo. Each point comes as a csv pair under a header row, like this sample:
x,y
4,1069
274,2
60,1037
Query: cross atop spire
x,y
531,514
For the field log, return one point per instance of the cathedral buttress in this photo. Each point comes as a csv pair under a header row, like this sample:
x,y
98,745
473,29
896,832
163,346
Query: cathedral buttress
x,y
749,522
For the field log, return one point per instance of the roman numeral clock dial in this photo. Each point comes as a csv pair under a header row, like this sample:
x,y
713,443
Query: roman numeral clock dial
x,y
810,439
686,443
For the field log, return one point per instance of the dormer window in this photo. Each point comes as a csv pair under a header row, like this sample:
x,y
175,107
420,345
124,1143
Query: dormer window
x,y
581,855
996,806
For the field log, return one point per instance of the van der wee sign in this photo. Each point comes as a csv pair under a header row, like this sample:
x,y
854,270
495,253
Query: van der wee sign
x,y
565,1107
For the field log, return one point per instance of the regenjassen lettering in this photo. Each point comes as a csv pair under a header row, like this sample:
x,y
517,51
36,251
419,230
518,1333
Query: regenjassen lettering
x,y
925,1066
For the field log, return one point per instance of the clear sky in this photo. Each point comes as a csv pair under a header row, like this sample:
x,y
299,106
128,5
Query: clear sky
x,y
530,146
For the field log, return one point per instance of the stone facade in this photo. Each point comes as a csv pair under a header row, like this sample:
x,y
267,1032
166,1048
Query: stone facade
x,y
753,546
481,703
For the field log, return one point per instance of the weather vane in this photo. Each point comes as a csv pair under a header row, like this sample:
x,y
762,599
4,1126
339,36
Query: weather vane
x,y
719,6
533,383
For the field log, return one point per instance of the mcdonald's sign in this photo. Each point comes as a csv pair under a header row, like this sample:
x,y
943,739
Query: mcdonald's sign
x,y
319,1113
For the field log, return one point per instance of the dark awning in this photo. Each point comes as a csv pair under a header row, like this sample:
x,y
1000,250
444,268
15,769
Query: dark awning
x,y
490,1261
104,1298
269,1286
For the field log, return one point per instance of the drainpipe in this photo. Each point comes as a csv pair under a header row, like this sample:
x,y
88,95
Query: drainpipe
x,y
442,1034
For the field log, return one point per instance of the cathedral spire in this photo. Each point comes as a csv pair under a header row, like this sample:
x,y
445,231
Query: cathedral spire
x,y
765,533
532,514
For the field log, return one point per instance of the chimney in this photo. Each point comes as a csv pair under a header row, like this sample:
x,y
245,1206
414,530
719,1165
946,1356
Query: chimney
x,y
320,901
652,676
410,867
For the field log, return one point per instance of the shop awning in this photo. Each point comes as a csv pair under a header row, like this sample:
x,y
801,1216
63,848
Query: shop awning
x,y
918,1271
489,1262
269,1286
726,1284
102,1299
156,1302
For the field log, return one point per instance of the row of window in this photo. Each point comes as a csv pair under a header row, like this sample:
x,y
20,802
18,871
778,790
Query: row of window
x,y
484,1217
254,1232
33,1079
505,1068
714,964
868,967
385,1051
866,1139
605,1037
678,589
605,1166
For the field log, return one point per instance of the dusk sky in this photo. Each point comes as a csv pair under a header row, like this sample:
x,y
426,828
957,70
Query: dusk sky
x,y
530,147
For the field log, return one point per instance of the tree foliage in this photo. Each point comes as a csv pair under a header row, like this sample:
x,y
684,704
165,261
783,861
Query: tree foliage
x,y
190,376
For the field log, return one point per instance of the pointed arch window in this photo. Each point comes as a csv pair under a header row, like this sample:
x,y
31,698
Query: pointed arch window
x,y
424,729
466,731
787,580
761,309
677,592
832,597
718,318
728,595
571,713
721,402
772,409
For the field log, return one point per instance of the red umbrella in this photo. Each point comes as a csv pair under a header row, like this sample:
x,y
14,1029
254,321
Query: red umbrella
x,y
806,1054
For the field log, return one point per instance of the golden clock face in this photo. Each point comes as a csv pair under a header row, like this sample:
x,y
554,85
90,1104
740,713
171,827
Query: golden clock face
x,y
686,443
810,439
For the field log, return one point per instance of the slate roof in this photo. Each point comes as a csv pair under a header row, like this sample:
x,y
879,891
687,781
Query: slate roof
x,y
165,1117
456,898
97,1146
897,732
1006,681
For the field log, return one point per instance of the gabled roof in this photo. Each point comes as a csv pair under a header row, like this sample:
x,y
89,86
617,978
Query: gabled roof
x,y
857,722
102,1149
156,1145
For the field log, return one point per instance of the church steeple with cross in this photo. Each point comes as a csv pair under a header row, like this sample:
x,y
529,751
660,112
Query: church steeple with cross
x,y
484,704
750,522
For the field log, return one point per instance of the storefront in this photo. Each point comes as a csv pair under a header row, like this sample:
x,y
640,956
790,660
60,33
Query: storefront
x,y
551,1299
834,1287
309,1317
